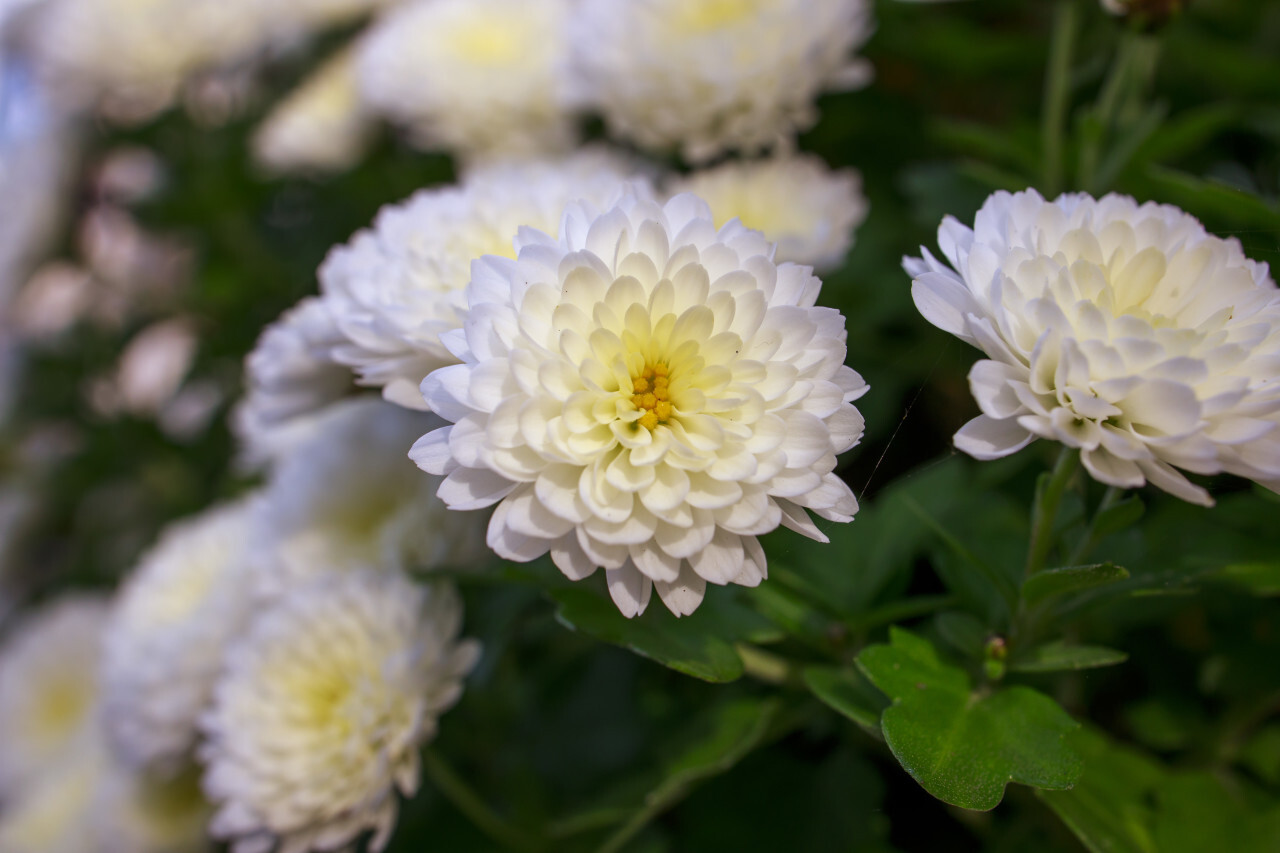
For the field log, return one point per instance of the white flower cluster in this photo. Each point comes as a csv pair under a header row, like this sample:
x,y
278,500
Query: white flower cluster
x,y
647,394
479,78
1124,330
709,76
61,789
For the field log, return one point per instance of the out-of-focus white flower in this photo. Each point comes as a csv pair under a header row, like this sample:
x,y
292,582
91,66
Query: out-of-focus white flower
x,y
646,394
714,75
1121,329
347,497
323,708
289,377
87,802
807,209
154,364
141,813
321,126
290,16
131,56
476,77
395,289
55,298
48,688
169,629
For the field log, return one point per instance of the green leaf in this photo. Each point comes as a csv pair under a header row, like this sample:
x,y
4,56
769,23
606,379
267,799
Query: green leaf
x,y
1054,657
1261,578
700,645
1198,812
848,692
964,746
716,741
1108,808
1121,515
1054,582
963,631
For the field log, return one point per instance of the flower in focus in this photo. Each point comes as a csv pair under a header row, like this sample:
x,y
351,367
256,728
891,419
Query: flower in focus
x,y
323,709
347,497
289,377
321,126
714,75
646,394
808,210
395,289
1124,330
48,688
472,76
170,626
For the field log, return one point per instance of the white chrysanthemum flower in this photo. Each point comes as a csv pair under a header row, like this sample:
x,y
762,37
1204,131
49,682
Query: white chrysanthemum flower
x,y
324,707
289,377
395,289
714,75
48,688
473,76
807,209
347,497
169,629
646,394
1120,329
305,15
87,802
321,126
136,53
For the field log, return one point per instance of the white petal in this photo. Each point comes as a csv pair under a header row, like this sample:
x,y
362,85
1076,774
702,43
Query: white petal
x,y
987,438
683,595
629,589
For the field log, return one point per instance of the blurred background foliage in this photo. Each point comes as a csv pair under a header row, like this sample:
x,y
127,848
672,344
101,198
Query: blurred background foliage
x,y
1183,739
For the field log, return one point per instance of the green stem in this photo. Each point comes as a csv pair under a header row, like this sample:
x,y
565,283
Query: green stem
x,y
1112,497
1044,511
474,807
1057,89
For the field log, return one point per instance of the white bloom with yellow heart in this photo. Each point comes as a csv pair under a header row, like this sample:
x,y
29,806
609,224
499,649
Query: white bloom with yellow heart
x,y
324,707
648,394
1124,330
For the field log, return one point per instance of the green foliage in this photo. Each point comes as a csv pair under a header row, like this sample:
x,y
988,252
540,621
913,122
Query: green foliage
x,y
964,745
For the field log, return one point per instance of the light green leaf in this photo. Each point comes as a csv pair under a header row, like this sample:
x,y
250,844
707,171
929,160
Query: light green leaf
x,y
964,746
1054,582
1261,578
1054,657
848,692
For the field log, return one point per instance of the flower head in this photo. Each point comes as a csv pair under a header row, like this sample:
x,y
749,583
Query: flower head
x,y
809,210
714,75
321,126
646,394
48,688
473,76
395,289
324,706
169,629
1124,330
290,376
347,497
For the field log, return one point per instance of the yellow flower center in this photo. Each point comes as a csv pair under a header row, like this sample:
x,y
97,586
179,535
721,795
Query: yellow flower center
x,y
705,15
651,395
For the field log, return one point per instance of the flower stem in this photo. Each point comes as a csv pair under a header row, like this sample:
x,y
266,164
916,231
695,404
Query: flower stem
x,y
1112,497
467,801
1057,89
1044,511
